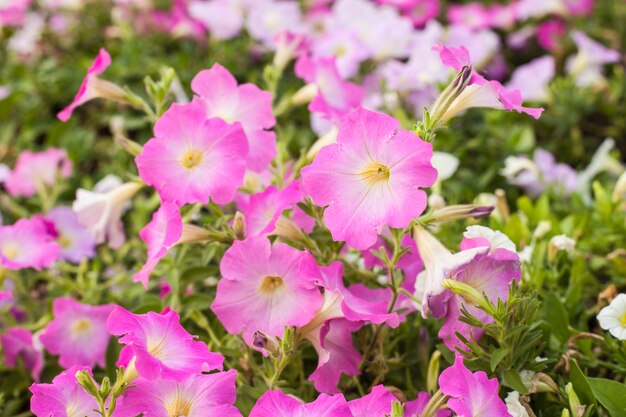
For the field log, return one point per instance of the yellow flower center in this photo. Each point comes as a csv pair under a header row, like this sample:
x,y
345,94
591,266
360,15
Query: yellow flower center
x,y
375,172
623,320
179,407
10,251
81,326
271,283
64,241
192,158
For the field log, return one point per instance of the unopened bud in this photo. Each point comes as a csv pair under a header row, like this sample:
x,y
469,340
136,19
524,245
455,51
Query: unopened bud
x,y
440,110
105,388
432,375
304,95
86,381
560,243
328,139
128,145
397,409
619,191
193,233
461,211
263,342
469,294
239,226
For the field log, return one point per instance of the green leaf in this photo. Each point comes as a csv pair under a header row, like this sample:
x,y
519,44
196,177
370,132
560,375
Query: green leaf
x,y
581,385
497,356
556,316
513,379
610,394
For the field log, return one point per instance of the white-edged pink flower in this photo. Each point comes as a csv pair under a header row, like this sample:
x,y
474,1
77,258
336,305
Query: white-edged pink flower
x,y
76,242
370,178
93,87
158,346
471,394
193,159
19,344
263,209
221,97
277,403
480,92
78,334
63,397
198,395
335,96
101,212
163,231
265,288
29,243
34,170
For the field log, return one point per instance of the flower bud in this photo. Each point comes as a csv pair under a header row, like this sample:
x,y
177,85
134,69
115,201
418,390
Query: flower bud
x,y
560,243
460,211
469,294
85,380
239,226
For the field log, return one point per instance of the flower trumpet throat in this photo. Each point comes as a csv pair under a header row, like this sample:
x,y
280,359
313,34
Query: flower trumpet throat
x,y
375,172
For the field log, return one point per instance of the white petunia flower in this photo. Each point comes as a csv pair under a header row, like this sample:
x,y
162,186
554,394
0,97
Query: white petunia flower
x,y
513,405
613,317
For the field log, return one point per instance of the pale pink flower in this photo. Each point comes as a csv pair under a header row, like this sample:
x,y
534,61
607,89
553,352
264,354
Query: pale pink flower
x,y
480,92
223,18
160,234
586,66
532,79
370,178
76,242
29,243
335,97
101,212
221,97
78,333
157,346
198,395
262,210
471,394
472,15
193,159
37,169
276,403
19,344
63,398
265,288
93,87
345,46
267,18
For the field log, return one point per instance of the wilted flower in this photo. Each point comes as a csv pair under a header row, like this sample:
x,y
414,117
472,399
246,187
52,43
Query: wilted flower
x,y
613,317
78,333
370,178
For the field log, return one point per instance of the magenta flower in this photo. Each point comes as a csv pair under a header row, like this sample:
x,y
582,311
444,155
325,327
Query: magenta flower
x,y
163,231
550,34
192,158
276,403
480,92
198,395
93,87
221,97
6,299
375,404
76,242
158,346
13,12
63,398
471,394
265,288
335,97
263,209
18,343
414,408
37,169
370,178
29,243
78,334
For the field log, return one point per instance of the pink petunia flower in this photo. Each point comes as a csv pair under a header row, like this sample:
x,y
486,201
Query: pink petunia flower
x,y
487,262
78,333
415,408
19,344
157,346
221,97
101,212
192,158
550,34
76,242
345,46
334,97
480,92
13,13
267,18
29,243
94,87
163,231
471,394
472,15
375,404
63,398
198,395
532,79
37,169
276,403
223,18
6,299
263,209
265,288
370,178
